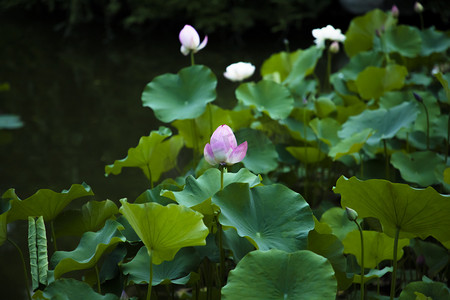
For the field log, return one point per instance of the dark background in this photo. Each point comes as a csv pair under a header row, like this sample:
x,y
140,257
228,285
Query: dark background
x,y
76,70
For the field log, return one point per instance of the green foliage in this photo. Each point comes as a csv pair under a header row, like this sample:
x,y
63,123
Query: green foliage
x,y
434,290
373,82
37,246
71,289
275,274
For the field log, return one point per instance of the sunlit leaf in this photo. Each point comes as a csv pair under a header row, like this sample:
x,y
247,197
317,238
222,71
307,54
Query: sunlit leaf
x,y
280,63
415,212
89,251
155,154
180,96
324,106
372,274
362,30
205,125
326,130
306,154
303,66
373,82
350,144
402,39
91,217
268,97
44,202
176,271
337,219
417,167
434,290
270,216
385,122
275,274
377,247
71,289
261,156
164,230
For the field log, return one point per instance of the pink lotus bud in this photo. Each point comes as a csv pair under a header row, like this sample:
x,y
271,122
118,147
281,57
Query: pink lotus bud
x,y
418,8
190,40
239,71
334,47
223,148
394,11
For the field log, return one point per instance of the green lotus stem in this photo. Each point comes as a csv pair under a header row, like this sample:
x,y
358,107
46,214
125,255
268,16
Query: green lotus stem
x,y
24,266
99,288
394,264
192,58
422,26
219,232
150,176
221,177
362,259
306,153
386,159
52,226
328,85
149,289
428,125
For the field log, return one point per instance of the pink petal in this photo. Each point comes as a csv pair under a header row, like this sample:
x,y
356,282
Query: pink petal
x,y
184,50
238,153
209,155
220,150
225,134
189,37
203,44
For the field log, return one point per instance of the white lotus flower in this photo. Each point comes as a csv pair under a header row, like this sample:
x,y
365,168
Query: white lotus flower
x,y
190,40
327,33
239,71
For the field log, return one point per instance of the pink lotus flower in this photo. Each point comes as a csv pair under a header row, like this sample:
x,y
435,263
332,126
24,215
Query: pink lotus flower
x,y
223,148
190,40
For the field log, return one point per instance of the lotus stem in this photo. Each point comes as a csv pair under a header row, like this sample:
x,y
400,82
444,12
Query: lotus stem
x,y
422,26
52,226
394,264
24,266
219,232
192,58
362,259
386,157
149,289
221,176
99,288
428,125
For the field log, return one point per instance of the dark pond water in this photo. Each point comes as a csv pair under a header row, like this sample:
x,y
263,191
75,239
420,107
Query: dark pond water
x,y
79,99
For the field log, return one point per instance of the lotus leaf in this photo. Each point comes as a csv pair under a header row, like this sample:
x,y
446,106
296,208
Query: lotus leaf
x,y
417,167
71,289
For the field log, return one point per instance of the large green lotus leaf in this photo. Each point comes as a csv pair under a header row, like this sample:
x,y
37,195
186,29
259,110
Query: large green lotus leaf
x,y
415,212
402,39
155,195
436,256
72,289
280,63
176,271
238,245
297,129
326,130
361,61
91,217
156,153
180,96
270,216
307,155
362,30
444,82
205,125
277,275
372,274
416,78
198,190
329,246
373,82
324,106
89,251
433,41
433,290
303,66
377,247
350,144
128,231
385,122
345,112
261,156
164,230
417,167
44,202
268,97
336,218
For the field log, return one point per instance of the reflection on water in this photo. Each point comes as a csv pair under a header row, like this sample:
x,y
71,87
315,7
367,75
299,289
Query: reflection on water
x,y
79,99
